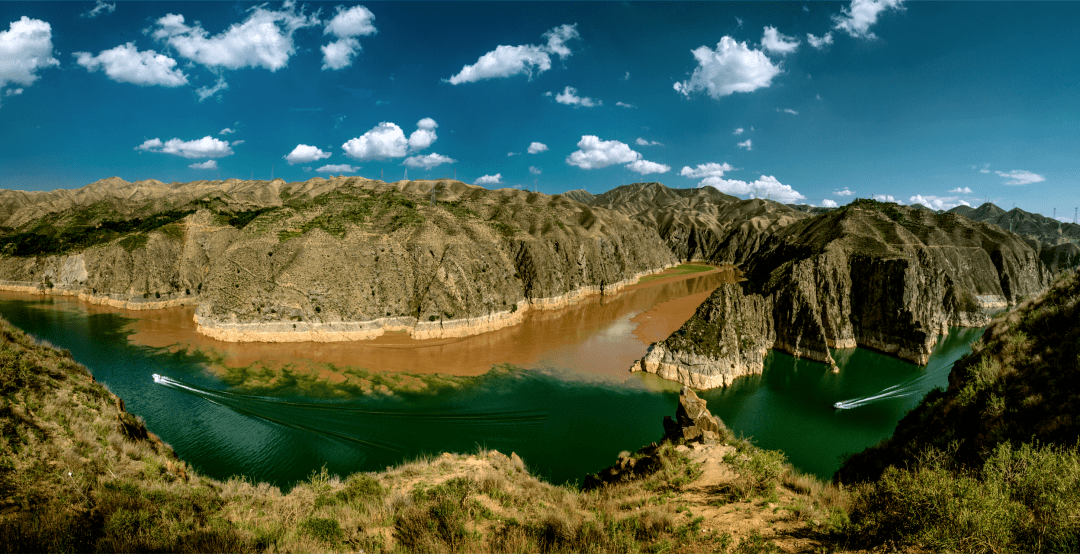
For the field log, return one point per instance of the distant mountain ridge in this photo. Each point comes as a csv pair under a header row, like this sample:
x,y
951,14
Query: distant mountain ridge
x,y
703,223
1057,242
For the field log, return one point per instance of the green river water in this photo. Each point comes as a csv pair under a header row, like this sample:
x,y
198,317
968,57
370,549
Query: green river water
x,y
562,425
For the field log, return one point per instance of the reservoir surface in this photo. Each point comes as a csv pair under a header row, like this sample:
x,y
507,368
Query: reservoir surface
x,y
555,389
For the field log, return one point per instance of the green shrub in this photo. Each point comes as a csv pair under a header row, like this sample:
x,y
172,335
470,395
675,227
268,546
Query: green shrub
x,y
759,471
323,528
360,487
1024,499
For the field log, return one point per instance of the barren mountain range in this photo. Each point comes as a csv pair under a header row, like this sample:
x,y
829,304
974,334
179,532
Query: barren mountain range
x,y
349,258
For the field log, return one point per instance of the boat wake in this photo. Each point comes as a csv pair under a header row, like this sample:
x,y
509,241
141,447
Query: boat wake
x,y
919,385
331,418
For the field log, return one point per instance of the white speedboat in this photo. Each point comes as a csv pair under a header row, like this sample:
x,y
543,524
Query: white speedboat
x,y
159,379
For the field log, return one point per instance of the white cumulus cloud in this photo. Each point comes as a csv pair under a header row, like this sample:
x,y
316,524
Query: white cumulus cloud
x,y
25,48
569,97
99,8
126,64
346,25
537,147
886,198
624,105
226,131
711,169
642,142
208,164
765,186
206,147
558,37
961,190
819,42
646,167
594,153
845,192
938,202
788,110
1020,177
386,140
507,61
263,40
304,154
338,168
428,161
732,67
495,179
534,170
747,144
738,131
209,91
857,19
424,135
777,43
828,203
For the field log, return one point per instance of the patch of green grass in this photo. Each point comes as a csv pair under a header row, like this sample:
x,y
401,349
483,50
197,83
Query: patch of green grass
x,y
681,269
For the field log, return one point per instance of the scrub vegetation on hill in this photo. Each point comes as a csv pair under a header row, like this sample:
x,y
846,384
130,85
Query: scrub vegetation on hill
x,y
991,464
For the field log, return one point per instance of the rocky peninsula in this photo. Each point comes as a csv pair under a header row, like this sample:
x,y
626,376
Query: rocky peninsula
x,y
870,274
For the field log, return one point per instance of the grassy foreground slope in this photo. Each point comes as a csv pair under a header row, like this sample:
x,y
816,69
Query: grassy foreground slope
x,y
78,474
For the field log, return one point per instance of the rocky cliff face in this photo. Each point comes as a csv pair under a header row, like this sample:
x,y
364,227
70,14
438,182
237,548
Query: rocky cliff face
x,y
727,337
1018,385
324,259
875,275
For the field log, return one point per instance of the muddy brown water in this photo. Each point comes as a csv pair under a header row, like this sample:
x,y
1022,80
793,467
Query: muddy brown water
x,y
600,335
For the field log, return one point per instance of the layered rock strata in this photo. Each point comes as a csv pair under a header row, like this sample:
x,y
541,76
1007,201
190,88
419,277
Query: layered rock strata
x,y
874,275
337,259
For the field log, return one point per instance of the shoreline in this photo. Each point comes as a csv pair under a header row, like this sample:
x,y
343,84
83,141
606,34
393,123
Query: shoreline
x,y
341,331
346,331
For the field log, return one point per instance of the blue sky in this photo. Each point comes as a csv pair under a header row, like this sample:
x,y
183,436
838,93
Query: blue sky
x,y
934,102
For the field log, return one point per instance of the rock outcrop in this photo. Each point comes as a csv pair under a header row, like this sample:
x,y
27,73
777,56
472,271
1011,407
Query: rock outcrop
x,y
727,337
875,275
337,259
693,423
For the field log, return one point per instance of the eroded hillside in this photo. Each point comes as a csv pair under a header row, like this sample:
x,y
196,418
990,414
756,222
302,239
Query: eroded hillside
x,y
702,224
323,259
